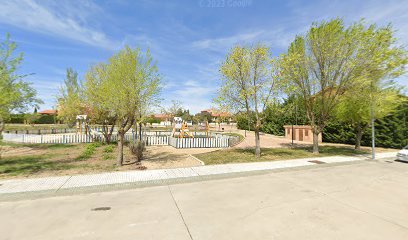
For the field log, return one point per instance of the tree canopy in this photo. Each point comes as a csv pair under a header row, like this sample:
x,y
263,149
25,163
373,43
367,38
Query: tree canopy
x,y
15,93
71,98
331,60
122,88
248,83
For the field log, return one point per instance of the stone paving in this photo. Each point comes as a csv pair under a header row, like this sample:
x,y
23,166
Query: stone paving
x,y
111,178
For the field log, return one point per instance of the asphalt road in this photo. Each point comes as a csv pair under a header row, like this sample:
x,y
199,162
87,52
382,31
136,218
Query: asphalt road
x,y
364,200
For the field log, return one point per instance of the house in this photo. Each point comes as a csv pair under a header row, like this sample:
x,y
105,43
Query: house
x,y
50,112
163,117
217,115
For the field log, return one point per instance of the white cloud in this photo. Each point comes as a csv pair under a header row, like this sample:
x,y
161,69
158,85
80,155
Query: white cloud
x,y
192,83
67,21
225,42
277,37
372,11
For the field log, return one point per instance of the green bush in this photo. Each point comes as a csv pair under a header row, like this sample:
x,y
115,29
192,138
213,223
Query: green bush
x,y
137,148
45,119
89,151
152,120
109,149
16,118
390,132
107,156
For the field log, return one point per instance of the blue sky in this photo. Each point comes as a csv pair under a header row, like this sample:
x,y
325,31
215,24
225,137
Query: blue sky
x,y
189,39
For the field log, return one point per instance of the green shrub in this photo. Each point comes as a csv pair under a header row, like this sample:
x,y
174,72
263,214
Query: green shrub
x,y
107,156
109,149
137,148
89,151
45,119
16,118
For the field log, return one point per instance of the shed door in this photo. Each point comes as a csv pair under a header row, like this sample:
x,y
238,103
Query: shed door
x,y
300,134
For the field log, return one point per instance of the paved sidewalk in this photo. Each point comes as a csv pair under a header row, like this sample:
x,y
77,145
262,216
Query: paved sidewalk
x,y
114,178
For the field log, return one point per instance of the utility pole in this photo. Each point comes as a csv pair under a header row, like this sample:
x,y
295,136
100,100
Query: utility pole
x,y
294,113
372,131
295,123
372,123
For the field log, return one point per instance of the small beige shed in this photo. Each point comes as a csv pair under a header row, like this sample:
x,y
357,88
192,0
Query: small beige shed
x,y
300,133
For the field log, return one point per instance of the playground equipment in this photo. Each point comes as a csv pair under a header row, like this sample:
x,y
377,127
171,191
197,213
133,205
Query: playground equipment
x,y
82,124
83,127
181,128
207,128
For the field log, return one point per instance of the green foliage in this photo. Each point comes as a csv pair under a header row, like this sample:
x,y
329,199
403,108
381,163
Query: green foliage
x,y
242,121
32,118
151,120
107,156
89,151
203,117
391,131
339,132
122,90
16,94
276,115
45,119
248,83
332,60
71,99
109,149
16,118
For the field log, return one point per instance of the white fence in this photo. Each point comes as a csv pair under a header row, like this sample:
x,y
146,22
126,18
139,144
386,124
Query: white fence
x,y
219,141
49,138
77,138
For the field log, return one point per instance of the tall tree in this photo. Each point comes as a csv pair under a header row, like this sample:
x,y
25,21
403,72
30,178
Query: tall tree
x,y
124,87
175,109
71,100
248,83
355,107
15,93
324,64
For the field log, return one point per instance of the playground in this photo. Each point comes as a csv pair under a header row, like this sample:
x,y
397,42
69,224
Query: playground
x,y
178,136
83,149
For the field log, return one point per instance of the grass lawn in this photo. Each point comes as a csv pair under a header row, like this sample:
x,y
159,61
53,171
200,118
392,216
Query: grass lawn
x,y
23,160
270,154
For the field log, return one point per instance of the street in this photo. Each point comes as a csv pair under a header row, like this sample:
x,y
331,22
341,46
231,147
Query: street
x,y
362,200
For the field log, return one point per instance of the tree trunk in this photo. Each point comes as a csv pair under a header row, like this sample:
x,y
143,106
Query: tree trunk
x,y
359,135
121,142
2,126
315,141
140,131
257,143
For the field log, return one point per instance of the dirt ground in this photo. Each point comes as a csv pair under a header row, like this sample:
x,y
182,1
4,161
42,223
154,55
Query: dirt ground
x,y
169,157
271,141
51,160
